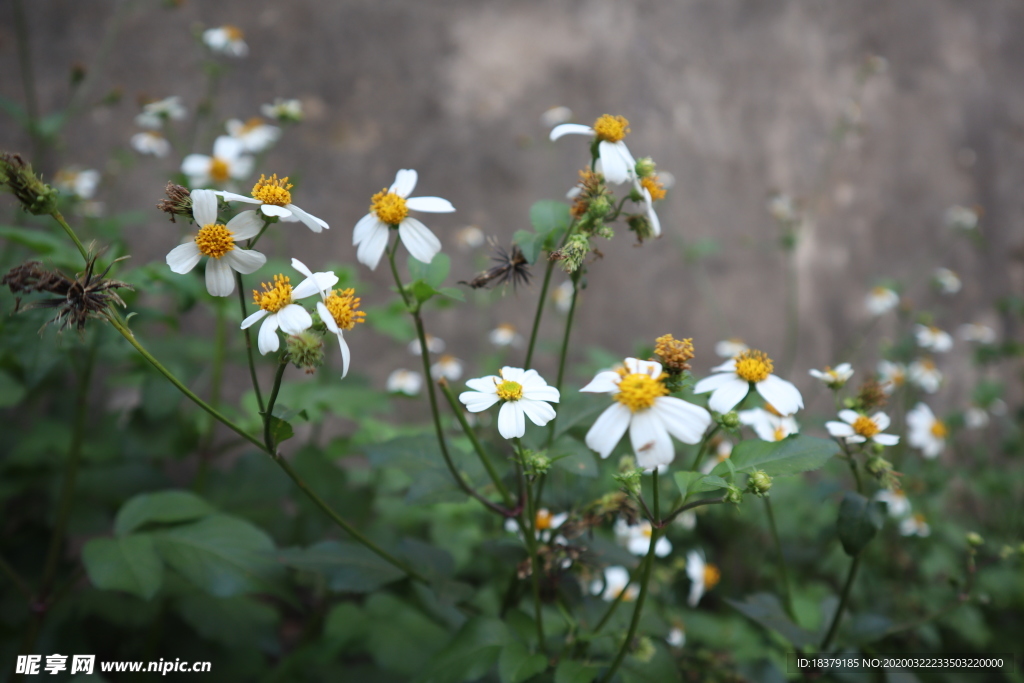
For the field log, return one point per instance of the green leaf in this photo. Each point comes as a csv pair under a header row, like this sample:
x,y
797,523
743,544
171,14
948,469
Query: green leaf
x,y
419,458
571,671
792,455
423,291
433,273
549,215
344,624
280,430
529,243
690,483
452,293
129,564
570,455
766,610
473,651
234,622
859,521
398,636
162,507
516,664
348,567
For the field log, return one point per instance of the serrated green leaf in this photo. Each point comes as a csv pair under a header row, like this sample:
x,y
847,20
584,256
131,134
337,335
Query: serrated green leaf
x,y
766,610
516,664
792,455
129,564
162,507
859,521
433,273
348,567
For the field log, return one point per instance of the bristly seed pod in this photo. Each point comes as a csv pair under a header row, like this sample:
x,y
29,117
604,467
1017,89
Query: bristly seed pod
x,y
17,176
511,266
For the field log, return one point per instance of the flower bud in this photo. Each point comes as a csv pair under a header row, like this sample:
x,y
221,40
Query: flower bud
x,y
536,463
730,420
641,226
974,539
630,480
645,167
645,650
598,207
759,483
306,351
733,494
17,177
572,254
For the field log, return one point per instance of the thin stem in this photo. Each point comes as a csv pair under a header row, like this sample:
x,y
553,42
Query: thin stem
x,y
793,312
398,283
71,233
268,438
565,337
529,532
657,506
689,506
842,604
618,598
248,344
645,581
536,316
702,451
783,573
16,578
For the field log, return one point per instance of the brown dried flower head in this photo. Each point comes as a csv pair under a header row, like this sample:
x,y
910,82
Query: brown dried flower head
x,y
871,395
178,202
673,353
512,266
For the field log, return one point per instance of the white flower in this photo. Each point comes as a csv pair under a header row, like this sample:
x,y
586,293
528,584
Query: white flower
x,y
915,525
767,425
881,300
676,637
961,218
834,378
687,520
562,296
617,164
434,345
155,114
931,337
390,208
896,502
616,580
447,366
254,135
337,308
782,208
523,394
723,451
642,405
469,237
279,310
891,376
218,242
227,40
282,110
151,142
545,524
925,431
703,576
976,332
505,335
637,538
227,163
975,417
730,348
80,183
404,381
925,375
275,199
554,116
857,428
947,281
735,376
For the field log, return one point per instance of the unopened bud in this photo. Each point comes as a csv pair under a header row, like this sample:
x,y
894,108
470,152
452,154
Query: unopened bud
x,y
730,420
536,463
598,207
733,494
759,483
974,539
645,166
630,480
306,350
17,177
645,650
573,253
641,226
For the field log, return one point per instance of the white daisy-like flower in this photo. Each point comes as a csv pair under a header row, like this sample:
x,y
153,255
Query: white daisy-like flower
x,y
151,142
402,381
703,576
896,502
915,525
637,538
78,182
617,164
227,40
925,431
925,375
976,332
390,208
651,190
505,335
961,218
891,376
283,111
730,348
834,378
469,237
555,115
275,199
447,366
769,425
676,637
947,281
155,114
434,345
218,242
931,337
857,428
279,310
254,134
337,308
723,451
523,393
975,417
229,162
734,378
545,524
562,297
880,300
616,580
642,405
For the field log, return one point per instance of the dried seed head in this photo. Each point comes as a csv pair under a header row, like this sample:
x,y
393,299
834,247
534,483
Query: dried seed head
x,y
511,267
178,202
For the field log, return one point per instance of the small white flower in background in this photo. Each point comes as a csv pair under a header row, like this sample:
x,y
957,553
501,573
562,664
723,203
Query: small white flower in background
x,y
896,502
283,111
469,237
857,428
523,393
730,348
891,376
731,384
391,207
782,208
616,580
723,451
687,520
562,297
961,218
617,164
925,431
703,576
279,310
881,300
254,134
505,335
554,116
434,345
976,332
155,114
676,637
544,524
151,142
404,381
668,180
931,337
217,241
834,378
275,199
447,366
227,40
976,417
92,209
768,424
642,405
923,374
77,182
229,162
337,308
915,525
637,538
947,281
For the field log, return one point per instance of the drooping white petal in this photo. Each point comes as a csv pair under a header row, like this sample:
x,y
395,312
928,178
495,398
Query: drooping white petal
x,y
856,438
184,257
405,182
541,393
327,318
476,401
245,225
245,261
570,129
682,419
728,395
294,319
781,394
372,248
345,354
539,412
429,204
887,439
511,421
219,280
608,429
301,267
422,244
606,382
613,164
254,318
204,207
651,442
232,197
275,210
365,227
712,382
268,340
309,220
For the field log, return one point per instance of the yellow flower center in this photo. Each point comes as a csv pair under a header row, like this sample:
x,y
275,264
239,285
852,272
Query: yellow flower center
x,y
611,128
711,576
273,191
251,125
638,391
919,518
214,240
274,296
233,33
510,391
753,366
219,171
654,186
543,519
342,304
780,433
879,292
389,207
865,426
939,430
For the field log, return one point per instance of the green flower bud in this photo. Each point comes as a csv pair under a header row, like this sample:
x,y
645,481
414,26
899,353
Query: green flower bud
x,y
730,420
974,539
641,226
645,166
645,650
573,253
536,463
17,177
306,351
630,480
598,207
759,483
733,495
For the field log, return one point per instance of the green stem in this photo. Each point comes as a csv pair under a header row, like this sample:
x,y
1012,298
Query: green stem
x,y
71,233
268,438
702,451
669,518
657,506
536,316
645,581
529,532
618,598
248,344
565,337
842,604
783,573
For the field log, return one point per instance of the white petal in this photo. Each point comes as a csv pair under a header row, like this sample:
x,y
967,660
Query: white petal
x,y
539,412
713,382
405,182
294,319
728,395
683,420
511,422
308,219
606,382
651,442
422,244
365,227
232,197
727,366
274,210
184,257
512,374
268,340
839,429
301,267
227,147
318,284
219,279
241,167
643,367
204,207
881,421
542,393
608,429
570,129
245,225
615,169
430,204
848,416
887,439
476,402
345,355
245,261
373,247
487,385
253,319
781,394
196,165
327,318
